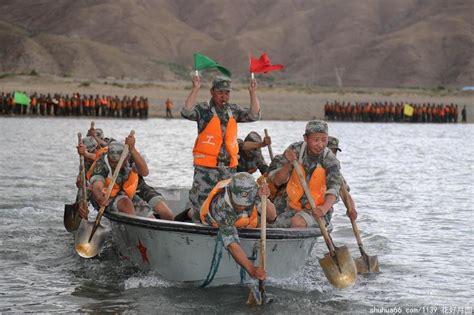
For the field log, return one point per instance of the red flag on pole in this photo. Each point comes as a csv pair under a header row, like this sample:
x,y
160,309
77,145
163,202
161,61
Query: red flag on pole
x,y
263,64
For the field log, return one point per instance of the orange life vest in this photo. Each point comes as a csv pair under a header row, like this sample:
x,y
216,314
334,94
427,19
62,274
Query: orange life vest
x,y
209,141
317,186
98,153
129,186
242,222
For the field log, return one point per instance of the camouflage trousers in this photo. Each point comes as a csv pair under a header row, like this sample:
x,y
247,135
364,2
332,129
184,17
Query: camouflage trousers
x,y
283,220
204,180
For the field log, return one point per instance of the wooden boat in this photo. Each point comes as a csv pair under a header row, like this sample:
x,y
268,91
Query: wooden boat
x,y
189,252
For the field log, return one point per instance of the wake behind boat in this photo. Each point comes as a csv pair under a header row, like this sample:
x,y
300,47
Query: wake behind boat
x,y
189,252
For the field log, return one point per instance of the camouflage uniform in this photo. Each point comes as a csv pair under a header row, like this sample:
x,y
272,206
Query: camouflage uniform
x,y
206,178
251,160
327,160
243,191
101,171
333,143
148,193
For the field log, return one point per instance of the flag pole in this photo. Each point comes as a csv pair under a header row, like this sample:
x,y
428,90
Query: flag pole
x,y
196,73
252,76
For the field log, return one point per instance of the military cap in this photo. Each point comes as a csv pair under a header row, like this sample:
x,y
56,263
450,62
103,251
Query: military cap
x,y
99,133
90,144
318,126
221,83
115,150
253,137
333,143
243,188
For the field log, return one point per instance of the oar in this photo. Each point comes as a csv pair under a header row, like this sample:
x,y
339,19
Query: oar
x,y
86,245
338,265
365,263
259,297
72,219
270,151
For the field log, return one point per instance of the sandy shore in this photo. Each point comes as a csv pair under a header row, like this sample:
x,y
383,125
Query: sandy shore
x,y
278,103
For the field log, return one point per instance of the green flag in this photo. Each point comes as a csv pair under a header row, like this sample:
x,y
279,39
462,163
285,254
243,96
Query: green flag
x,y
202,62
21,98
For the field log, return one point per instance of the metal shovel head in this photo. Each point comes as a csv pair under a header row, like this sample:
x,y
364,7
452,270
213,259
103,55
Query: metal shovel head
x,y
340,270
363,265
257,298
71,217
87,249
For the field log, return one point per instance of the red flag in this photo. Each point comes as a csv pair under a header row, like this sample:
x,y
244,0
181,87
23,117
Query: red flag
x,y
263,64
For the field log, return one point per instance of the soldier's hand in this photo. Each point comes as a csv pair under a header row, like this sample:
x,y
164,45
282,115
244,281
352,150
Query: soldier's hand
x,y
258,273
290,155
83,211
318,212
352,214
264,190
81,149
253,85
130,140
91,133
267,141
196,82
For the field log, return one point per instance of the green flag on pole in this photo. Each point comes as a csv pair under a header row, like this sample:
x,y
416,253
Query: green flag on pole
x,y
202,62
21,98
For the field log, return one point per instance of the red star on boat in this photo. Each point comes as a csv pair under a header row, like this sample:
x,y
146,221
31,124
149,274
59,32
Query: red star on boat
x,y
142,250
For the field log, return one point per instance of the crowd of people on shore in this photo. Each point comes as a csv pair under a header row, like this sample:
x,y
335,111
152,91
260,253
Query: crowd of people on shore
x,y
74,105
224,193
393,112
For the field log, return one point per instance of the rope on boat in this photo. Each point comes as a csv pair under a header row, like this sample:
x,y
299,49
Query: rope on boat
x,y
216,259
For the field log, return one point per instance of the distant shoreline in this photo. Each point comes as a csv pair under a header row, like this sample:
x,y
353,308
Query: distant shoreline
x,y
277,102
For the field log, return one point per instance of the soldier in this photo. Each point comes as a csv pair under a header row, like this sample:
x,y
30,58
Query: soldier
x,y
216,148
124,196
322,171
250,153
333,145
169,106
235,203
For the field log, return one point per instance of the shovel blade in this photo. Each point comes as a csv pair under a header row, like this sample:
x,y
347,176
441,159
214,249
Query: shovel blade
x,y
83,247
71,217
258,297
367,266
340,270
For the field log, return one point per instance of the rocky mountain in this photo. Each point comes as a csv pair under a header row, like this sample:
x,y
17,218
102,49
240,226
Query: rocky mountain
x,y
355,43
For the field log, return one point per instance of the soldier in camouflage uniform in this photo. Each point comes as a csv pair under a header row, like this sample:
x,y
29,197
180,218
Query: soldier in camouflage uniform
x,y
250,153
104,168
310,153
333,145
236,200
205,178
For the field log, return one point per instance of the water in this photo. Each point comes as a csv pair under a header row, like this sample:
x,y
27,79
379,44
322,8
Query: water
x,y
412,184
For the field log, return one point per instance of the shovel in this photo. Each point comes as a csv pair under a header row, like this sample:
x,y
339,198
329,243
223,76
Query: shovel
x,y
258,295
72,219
88,246
338,265
365,263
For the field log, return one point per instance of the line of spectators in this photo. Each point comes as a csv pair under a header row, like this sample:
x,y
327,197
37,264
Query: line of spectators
x,y
76,105
390,112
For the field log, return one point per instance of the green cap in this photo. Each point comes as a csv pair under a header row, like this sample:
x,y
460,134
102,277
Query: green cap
x,y
318,126
115,150
99,133
221,84
243,188
333,143
90,144
253,137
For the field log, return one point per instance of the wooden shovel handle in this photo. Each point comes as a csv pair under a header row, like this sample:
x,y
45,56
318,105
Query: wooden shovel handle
x,y
263,233
346,199
92,124
270,151
82,172
322,227
111,186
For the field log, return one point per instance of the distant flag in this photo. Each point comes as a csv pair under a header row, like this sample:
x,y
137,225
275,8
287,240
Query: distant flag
x,y
263,64
21,98
202,62
408,110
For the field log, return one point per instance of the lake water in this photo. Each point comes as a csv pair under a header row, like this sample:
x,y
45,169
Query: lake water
x,y
413,186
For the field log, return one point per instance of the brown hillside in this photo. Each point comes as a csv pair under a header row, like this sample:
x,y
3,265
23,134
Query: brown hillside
x,y
372,42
